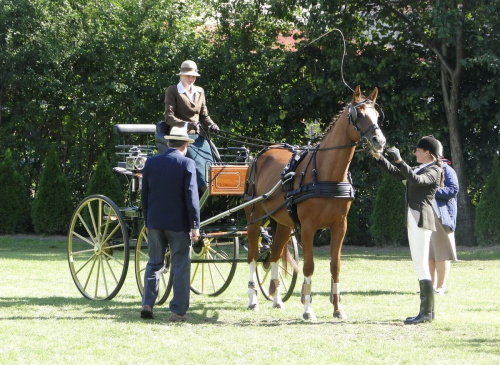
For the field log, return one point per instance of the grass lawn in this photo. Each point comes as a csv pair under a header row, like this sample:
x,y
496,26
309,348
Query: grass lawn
x,y
44,318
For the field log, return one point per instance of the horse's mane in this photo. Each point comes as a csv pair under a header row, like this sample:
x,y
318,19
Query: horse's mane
x,y
334,120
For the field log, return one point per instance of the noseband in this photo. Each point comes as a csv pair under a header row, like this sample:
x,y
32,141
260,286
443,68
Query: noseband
x,y
353,117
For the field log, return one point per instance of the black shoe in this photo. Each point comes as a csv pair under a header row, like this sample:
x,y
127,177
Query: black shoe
x,y
147,312
421,318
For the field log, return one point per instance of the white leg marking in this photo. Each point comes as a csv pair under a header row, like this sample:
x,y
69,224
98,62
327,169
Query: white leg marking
x,y
252,289
275,270
306,298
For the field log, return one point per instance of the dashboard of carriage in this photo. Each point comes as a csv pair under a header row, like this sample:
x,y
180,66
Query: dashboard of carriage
x,y
138,142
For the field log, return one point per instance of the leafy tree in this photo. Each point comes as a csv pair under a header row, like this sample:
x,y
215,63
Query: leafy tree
x,y
52,207
444,28
105,182
14,196
488,209
388,226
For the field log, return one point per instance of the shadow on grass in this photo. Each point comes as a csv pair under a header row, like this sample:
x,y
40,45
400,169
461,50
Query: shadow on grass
x,y
64,309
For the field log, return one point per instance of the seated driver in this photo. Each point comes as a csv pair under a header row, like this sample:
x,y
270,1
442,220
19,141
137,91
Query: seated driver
x,y
185,107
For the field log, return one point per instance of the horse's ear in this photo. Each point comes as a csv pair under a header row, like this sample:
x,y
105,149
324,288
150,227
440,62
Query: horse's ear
x,y
373,95
357,94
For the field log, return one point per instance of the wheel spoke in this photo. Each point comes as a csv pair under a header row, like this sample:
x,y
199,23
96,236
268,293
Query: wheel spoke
x,y
84,239
112,271
85,264
111,234
88,231
104,277
90,272
84,251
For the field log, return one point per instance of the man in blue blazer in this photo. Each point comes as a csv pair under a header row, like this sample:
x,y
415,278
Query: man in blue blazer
x,y
170,205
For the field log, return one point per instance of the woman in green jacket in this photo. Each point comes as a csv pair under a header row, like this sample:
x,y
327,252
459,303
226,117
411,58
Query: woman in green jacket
x,y
421,184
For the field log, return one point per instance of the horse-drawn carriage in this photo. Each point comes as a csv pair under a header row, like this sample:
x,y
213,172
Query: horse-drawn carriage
x,y
102,234
302,189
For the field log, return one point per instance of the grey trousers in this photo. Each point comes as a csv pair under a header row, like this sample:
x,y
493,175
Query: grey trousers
x,y
180,259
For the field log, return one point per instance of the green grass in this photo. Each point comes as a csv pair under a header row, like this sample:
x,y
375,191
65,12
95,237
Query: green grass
x,y
44,319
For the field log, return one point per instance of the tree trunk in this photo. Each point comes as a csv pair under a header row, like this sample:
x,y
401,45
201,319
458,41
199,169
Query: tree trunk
x,y
465,231
450,83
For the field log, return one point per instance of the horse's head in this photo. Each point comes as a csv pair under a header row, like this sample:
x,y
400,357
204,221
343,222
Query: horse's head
x,y
363,119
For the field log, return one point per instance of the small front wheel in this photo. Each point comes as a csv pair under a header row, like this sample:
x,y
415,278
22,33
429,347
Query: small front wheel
x,y
98,248
141,260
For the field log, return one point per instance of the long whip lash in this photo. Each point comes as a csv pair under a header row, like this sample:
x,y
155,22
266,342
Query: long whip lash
x,y
343,54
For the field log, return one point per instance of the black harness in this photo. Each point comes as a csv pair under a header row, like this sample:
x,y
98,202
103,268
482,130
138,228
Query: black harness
x,y
314,189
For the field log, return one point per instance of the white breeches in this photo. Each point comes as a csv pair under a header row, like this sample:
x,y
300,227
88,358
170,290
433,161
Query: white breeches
x,y
419,239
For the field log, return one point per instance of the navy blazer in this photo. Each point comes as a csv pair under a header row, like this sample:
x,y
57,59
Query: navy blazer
x,y
170,192
446,198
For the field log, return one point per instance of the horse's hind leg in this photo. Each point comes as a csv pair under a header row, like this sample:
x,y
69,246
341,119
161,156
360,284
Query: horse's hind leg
x,y
337,237
280,240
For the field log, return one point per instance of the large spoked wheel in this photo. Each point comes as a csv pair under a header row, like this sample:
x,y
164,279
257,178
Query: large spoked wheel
x,y
287,276
98,250
141,259
213,263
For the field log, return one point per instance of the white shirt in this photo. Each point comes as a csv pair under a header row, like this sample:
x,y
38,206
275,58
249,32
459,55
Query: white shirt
x,y
195,89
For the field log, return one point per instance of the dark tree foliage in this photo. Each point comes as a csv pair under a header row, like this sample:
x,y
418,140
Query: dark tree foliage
x,y
105,182
71,70
15,216
487,227
52,208
388,225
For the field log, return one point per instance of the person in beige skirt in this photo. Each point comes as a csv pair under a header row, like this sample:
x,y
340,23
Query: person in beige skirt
x,y
442,250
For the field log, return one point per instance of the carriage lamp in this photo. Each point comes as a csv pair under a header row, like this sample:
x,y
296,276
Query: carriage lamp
x,y
135,163
136,160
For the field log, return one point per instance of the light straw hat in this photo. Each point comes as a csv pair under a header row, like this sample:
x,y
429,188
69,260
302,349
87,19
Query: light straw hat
x,y
188,68
179,134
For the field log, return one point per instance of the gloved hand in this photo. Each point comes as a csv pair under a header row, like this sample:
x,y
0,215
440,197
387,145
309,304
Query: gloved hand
x,y
214,128
394,151
193,127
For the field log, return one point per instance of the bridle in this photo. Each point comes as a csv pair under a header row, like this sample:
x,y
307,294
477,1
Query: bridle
x,y
352,117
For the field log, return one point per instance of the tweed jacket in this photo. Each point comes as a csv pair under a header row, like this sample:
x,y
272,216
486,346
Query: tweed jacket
x,y
179,109
170,193
446,198
420,188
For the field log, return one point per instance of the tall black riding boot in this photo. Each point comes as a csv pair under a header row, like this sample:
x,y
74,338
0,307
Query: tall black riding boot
x,y
426,304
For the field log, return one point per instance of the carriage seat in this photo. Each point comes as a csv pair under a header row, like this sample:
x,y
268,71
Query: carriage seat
x,y
162,130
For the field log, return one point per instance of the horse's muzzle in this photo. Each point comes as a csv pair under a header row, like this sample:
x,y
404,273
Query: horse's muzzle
x,y
377,141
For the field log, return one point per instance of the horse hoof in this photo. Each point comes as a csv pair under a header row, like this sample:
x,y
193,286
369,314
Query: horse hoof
x,y
253,307
339,314
279,305
309,316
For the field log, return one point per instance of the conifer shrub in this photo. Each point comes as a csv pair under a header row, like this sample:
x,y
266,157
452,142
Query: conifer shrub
x,y
14,195
104,181
52,208
487,222
388,219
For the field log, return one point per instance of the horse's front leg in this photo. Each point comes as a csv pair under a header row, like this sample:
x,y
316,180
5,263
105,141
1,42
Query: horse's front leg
x,y
337,237
308,270
275,287
253,304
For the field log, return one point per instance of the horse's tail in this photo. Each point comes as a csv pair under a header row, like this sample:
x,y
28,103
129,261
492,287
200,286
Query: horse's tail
x,y
287,258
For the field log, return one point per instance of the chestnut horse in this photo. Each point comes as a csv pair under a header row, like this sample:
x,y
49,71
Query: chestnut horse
x,y
330,163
